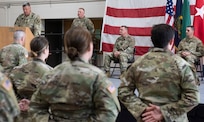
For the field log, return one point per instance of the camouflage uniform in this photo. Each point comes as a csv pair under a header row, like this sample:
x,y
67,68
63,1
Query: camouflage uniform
x,y
194,46
125,45
27,79
163,79
85,23
32,21
76,92
8,103
12,55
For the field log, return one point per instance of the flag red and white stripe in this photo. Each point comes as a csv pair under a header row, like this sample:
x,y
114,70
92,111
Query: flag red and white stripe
x,y
169,17
138,15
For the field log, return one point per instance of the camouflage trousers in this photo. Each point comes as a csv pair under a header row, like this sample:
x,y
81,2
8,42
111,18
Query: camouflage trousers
x,y
23,117
123,61
191,59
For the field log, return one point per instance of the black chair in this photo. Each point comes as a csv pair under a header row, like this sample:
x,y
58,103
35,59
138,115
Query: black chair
x,y
116,61
199,66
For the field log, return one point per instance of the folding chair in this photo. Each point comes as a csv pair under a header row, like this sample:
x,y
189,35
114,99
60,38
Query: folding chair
x,y
199,66
116,61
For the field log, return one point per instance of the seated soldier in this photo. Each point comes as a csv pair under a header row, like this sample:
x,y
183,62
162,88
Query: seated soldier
x,y
190,48
123,50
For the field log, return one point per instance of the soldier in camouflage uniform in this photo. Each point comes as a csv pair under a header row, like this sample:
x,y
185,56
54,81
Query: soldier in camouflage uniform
x,y
27,78
83,21
190,48
29,19
123,50
165,82
8,103
14,54
76,91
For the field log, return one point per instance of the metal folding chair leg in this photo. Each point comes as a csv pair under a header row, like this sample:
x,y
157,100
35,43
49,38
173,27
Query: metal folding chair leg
x,y
113,69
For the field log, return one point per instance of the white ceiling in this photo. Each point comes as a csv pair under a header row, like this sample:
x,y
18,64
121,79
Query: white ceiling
x,y
40,2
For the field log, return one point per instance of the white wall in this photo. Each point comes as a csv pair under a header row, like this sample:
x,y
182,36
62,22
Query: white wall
x,y
8,14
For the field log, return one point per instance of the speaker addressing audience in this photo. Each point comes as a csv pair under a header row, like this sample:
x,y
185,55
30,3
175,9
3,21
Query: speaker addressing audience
x,y
29,19
76,90
83,21
165,82
14,54
27,77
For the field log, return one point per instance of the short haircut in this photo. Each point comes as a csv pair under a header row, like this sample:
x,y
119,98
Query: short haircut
x,y
18,34
190,26
26,4
161,35
82,9
124,26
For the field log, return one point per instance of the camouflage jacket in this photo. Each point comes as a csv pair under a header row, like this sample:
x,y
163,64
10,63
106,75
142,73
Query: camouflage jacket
x,y
125,45
8,103
85,23
26,78
193,45
75,92
163,79
32,21
12,55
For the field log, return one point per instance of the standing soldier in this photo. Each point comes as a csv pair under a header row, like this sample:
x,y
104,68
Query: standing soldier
x,y
83,21
8,103
123,51
29,19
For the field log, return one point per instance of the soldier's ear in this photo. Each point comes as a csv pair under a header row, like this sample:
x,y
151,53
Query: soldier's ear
x,y
170,44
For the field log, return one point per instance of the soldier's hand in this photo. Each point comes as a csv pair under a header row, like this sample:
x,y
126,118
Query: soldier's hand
x,y
24,104
152,114
116,54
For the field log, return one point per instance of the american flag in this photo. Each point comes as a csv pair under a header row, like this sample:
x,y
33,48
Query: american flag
x,y
138,15
169,17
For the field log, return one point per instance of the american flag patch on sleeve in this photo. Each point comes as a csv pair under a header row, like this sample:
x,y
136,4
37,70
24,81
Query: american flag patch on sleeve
x,y
7,85
111,88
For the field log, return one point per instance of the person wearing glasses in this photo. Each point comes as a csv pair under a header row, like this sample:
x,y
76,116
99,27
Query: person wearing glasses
x,y
190,48
165,82
29,19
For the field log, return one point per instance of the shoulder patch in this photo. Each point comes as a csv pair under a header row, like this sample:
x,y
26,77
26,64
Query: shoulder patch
x,y
7,85
111,88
